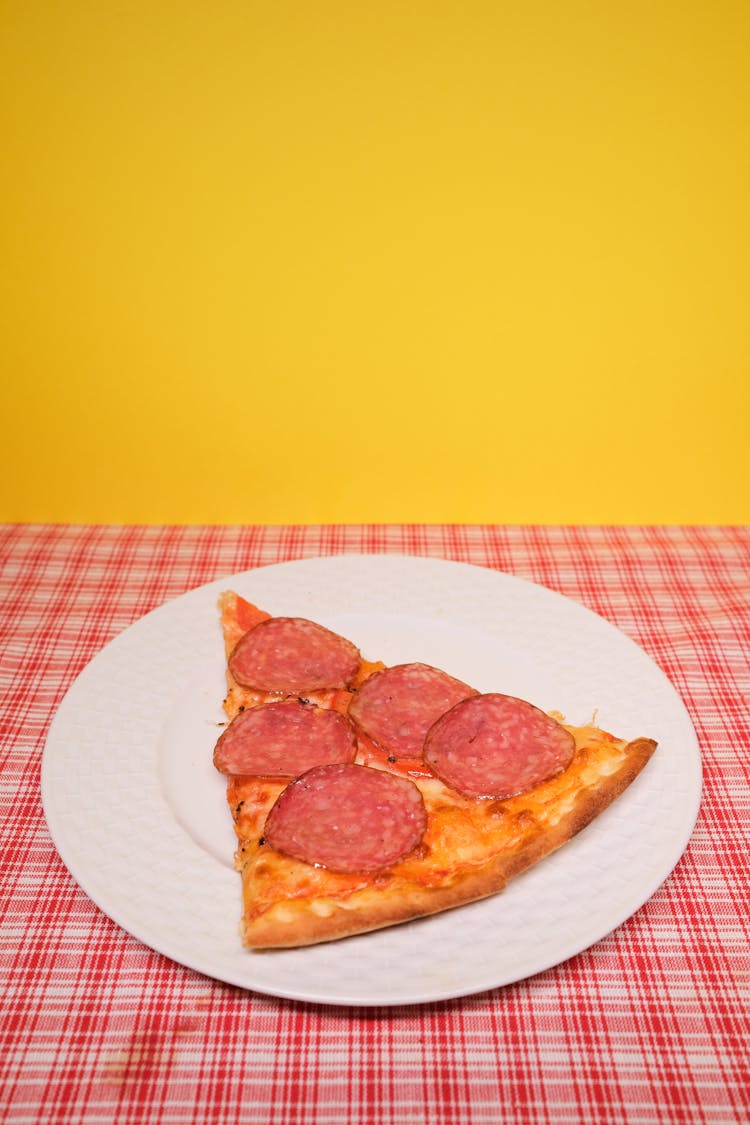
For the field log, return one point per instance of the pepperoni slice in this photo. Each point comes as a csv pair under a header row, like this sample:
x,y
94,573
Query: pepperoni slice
x,y
291,654
496,746
396,707
348,818
284,740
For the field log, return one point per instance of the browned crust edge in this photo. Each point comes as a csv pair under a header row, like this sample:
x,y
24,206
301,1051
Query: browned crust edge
x,y
291,924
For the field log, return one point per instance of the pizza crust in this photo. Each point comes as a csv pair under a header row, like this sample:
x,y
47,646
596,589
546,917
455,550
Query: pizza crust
x,y
310,920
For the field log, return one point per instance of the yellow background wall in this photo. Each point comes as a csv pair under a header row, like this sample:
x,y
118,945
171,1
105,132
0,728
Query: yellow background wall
x,y
328,261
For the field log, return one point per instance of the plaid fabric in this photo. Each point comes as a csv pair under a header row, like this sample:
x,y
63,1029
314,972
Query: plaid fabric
x,y
650,1025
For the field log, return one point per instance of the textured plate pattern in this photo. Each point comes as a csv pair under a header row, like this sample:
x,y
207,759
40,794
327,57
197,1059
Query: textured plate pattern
x,y
137,811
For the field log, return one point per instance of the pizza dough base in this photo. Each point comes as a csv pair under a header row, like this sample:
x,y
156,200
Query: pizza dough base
x,y
530,826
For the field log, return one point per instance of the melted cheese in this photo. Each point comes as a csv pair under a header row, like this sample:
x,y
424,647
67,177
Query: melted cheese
x,y
462,834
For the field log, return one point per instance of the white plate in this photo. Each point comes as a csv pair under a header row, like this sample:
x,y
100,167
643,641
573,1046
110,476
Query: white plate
x,y
137,811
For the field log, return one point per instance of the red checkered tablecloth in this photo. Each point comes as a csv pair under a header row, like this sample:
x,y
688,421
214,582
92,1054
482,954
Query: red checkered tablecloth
x,y
648,1026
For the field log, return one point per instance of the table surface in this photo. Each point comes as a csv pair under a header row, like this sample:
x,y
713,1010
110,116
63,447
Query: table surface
x,y
649,1025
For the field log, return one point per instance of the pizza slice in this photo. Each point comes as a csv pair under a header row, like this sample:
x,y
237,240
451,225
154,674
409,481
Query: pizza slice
x,y
365,796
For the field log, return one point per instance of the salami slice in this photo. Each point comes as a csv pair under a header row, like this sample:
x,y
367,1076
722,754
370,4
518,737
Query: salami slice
x,y
497,746
291,654
284,740
396,707
348,818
